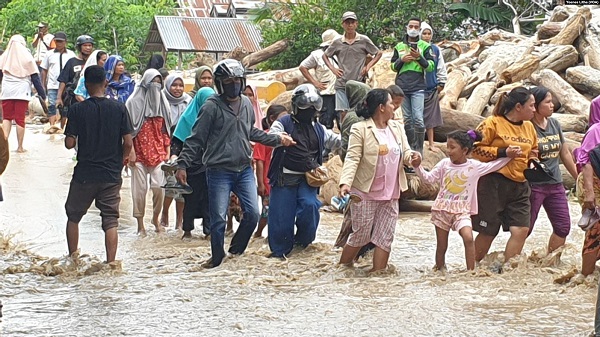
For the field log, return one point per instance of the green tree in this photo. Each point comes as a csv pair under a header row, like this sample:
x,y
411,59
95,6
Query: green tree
x,y
130,20
382,20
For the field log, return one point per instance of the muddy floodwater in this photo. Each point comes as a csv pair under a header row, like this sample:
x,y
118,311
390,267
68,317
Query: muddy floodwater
x,y
158,288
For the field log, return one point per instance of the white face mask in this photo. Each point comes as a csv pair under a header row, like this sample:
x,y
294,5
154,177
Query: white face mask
x,y
412,32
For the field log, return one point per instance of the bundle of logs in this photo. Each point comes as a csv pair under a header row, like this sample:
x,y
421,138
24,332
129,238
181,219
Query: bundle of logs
x,y
564,56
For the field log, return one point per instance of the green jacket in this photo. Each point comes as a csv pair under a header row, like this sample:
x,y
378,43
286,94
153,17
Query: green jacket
x,y
411,75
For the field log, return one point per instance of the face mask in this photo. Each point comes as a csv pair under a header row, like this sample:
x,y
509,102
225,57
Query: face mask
x,y
305,115
412,32
155,86
232,90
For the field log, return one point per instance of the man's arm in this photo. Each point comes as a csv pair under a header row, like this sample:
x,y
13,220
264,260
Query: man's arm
x,y
259,136
44,78
127,146
61,89
197,140
326,55
36,40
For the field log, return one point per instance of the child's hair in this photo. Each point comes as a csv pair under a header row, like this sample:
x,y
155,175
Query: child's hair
x,y
395,91
272,112
508,101
539,93
465,139
375,97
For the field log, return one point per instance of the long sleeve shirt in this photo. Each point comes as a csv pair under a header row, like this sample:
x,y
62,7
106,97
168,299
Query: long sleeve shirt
x,y
458,183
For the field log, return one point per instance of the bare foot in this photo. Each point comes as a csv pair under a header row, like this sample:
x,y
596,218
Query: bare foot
x,y
141,233
228,232
159,228
179,226
21,150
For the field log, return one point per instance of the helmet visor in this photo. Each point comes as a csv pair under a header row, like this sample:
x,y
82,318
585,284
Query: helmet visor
x,y
308,98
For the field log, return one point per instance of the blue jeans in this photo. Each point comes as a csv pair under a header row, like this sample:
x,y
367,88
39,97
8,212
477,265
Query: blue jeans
x,y
221,183
291,205
52,95
412,109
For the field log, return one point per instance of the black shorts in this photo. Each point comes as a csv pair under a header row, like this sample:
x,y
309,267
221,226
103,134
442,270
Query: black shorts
x,y
502,203
106,195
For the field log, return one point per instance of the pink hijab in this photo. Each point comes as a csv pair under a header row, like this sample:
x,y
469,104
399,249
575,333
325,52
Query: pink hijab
x,y
591,138
16,59
258,113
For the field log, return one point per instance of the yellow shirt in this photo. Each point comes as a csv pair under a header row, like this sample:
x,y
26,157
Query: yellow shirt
x,y
499,133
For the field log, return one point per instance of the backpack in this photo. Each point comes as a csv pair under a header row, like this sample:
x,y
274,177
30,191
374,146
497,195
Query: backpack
x,y
68,96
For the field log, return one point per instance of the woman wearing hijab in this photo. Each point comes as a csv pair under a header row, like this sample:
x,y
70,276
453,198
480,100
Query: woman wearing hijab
x,y
156,62
97,58
588,188
251,93
196,203
19,70
151,120
178,102
432,114
203,78
120,85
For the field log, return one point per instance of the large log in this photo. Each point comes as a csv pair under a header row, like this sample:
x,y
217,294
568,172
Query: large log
x,y
521,69
568,180
265,54
490,38
455,83
574,27
456,120
585,79
559,14
487,71
238,53
291,78
571,123
591,39
382,75
571,100
503,89
285,99
408,205
558,58
480,98
549,30
460,105
574,136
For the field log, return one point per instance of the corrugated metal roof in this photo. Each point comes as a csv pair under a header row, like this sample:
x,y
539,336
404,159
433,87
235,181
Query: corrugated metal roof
x,y
202,34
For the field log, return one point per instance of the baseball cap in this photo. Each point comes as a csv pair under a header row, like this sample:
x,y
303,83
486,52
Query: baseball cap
x,y
42,24
60,36
349,15
328,36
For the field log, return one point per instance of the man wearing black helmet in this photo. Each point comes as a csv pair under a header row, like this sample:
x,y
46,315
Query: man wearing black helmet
x,y
70,74
222,135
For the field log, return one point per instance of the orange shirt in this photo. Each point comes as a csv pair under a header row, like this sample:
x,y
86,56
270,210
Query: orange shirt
x,y
499,132
151,142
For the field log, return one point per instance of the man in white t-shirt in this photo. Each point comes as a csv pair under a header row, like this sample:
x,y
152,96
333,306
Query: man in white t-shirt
x,y
52,65
324,79
42,43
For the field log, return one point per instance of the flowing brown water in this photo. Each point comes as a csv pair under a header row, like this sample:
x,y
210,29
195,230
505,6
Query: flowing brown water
x,y
158,287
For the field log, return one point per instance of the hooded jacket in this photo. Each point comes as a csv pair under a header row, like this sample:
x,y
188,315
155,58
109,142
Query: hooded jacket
x,y
224,137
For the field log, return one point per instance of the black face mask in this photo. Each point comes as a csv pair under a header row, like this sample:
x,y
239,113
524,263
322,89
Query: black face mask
x,y
232,90
305,116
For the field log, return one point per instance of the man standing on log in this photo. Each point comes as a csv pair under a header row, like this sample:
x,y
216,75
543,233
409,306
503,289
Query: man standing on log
x,y
412,58
324,79
351,51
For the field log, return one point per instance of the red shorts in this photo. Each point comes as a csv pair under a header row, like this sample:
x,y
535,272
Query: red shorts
x,y
14,110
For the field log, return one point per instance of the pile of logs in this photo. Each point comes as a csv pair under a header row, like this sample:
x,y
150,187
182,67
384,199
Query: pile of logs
x,y
564,56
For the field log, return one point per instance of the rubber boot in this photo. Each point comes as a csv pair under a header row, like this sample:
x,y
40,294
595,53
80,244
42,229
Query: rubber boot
x,y
419,140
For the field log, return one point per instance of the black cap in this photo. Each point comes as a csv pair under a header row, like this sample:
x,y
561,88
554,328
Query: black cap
x,y
61,36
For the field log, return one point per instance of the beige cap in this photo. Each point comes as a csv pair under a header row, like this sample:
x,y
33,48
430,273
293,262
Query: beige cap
x,y
328,36
349,15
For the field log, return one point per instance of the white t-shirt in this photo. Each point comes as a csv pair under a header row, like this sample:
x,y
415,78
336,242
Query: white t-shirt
x,y
322,72
16,87
43,47
52,64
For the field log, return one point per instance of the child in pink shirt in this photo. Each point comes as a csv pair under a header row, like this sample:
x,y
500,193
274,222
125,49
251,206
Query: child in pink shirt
x,y
457,199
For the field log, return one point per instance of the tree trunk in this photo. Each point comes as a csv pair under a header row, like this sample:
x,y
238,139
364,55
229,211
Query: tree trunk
x,y
238,53
574,26
265,54
521,69
591,41
503,89
568,181
407,205
480,98
559,14
571,100
460,105
585,79
549,30
571,123
487,71
456,121
574,136
285,99
558,58
490,38
457,79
